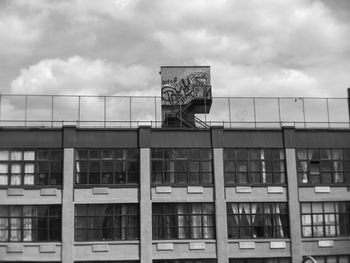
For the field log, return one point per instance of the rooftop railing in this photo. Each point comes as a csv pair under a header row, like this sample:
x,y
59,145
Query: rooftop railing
x,y
132,111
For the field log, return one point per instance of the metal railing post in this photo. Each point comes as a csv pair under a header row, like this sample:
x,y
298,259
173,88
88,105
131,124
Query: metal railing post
x,y
52,110
78,110
0,106
229,109
155,111
130,109
279,112
254,112
104,111
302,99
25,110
328,119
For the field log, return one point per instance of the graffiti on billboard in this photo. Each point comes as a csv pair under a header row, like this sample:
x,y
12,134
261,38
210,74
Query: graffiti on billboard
x,y
182,90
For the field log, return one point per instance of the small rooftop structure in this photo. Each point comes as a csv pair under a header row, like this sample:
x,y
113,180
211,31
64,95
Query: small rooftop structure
x,y
186,91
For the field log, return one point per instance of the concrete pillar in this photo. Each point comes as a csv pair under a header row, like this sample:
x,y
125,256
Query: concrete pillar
x,y
294,207
68,207
145,207
220,207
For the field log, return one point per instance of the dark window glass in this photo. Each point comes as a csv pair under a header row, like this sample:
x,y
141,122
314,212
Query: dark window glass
x,y
323,166
107,166
325,219
257,220
254,167
185,260
30,167
181,167
30,223
106,222
183,221
260,260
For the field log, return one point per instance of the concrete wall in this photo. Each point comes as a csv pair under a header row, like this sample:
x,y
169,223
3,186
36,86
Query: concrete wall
x,y
147,249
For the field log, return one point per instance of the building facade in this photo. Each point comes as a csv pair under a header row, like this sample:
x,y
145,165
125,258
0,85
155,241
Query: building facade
x,y
159,195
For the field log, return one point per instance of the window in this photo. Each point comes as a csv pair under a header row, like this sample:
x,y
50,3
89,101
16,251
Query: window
x,y
182,167
106,222
31,167
325,219
185,261
107,166
183,221
257,220
30,223
254,167
323,166
260,260
113,261
332,259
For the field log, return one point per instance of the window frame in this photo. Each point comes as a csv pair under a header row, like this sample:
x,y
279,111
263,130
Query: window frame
x,y
235,176
36,170
246,229
21,229
162,231
319,163
324,224
191,167
113,217
115,159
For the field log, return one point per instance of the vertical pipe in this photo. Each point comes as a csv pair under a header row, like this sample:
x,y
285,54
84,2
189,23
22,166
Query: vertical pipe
x,y
328,119
229,110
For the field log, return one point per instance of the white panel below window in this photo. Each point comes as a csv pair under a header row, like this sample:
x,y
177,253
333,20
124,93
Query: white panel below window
x,y
47,249
275,190
326,243
100,248
100,191
163,189
12,248
277,244
165,246
48,192
197,246
194,189
246,245
243,189
15,192
322,189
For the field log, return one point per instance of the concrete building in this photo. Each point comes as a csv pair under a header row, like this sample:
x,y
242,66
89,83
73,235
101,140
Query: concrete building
x,y
174,194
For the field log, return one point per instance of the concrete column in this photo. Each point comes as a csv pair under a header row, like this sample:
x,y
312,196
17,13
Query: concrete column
x,y
294,208
220,207
68,206
145,207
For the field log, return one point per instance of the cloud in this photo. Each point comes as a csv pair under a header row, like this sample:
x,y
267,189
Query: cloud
x,y
262,48
78,75
17,34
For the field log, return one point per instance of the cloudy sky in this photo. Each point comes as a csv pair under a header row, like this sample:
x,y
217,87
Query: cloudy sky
x,y
116,47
